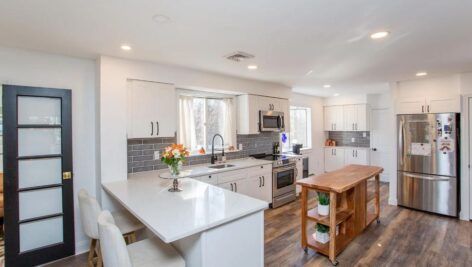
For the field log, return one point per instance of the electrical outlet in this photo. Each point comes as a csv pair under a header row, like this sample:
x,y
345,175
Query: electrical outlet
x,y
240,147
353,140
156,155
364,134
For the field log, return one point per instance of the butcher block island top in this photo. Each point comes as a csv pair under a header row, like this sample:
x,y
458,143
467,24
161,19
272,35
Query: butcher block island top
x,y
342,179
348,207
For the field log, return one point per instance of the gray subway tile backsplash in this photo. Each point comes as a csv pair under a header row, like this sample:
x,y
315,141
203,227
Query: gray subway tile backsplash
x,y
141,151
345,138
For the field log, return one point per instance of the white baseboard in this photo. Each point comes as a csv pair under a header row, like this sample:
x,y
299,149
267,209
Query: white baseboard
x,y
82,246
392,201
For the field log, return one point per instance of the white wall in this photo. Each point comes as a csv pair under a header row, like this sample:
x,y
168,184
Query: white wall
x,y
316,153
112,98
21,67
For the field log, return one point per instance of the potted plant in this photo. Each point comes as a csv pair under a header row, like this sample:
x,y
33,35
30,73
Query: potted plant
x,y
322,233
323,203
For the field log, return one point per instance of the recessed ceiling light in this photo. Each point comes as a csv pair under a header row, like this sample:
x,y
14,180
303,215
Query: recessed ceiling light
x,y
327,86
379,35
309,72
126,47
252,67
336,94
419,74
161,19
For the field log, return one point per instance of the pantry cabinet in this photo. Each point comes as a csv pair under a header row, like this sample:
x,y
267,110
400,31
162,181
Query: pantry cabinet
x,y
334,158
249,107
430,104
151,110
333,118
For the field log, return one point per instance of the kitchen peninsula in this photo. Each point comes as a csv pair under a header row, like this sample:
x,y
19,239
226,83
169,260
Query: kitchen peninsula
x,y
208,225
348,206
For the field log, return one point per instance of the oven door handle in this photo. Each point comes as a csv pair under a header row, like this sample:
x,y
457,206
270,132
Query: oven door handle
x,y
281,169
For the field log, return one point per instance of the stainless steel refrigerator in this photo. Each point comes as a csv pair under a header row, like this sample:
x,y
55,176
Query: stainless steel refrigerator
x,y
428,157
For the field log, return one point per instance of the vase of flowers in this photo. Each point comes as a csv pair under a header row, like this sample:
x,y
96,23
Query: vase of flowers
x,y
323,204
174,156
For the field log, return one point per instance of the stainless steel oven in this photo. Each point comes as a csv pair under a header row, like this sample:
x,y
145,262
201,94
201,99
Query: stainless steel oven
x,y
283,184
271,121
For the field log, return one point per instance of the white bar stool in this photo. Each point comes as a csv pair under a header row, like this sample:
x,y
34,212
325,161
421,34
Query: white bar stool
x,y
149,252
89,211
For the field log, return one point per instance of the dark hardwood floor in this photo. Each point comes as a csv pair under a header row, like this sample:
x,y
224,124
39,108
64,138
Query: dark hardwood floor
x,y
403,238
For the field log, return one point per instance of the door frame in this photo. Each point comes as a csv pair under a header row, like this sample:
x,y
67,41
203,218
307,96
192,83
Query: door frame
x,y
13,257
465,162
393,174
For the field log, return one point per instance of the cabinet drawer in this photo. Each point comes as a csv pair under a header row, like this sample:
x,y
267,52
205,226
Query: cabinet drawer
x,y
230,176
209,179
260,170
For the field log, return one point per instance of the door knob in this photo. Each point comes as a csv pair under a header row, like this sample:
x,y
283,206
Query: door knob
x,y
374,149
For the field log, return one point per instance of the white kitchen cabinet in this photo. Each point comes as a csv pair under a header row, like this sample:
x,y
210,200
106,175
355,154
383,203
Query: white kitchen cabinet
x,y
334,158
209,179
258,186
356,156
333,118
299,166
151,109
249,107
231,186
356,117
430,104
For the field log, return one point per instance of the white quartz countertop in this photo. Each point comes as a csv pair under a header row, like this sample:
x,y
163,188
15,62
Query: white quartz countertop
x,y
352,147
200,170
173,216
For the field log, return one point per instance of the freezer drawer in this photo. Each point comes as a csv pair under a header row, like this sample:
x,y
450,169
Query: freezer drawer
x,y
431,193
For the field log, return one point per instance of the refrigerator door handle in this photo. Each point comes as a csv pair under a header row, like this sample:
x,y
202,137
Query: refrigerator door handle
x,y
425,177
401,142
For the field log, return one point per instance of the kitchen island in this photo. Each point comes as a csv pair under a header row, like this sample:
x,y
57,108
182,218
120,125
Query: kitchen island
x,y
347,189
208,225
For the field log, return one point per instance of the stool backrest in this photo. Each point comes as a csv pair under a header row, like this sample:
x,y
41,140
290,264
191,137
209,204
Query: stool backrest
x,y
89,211
112,244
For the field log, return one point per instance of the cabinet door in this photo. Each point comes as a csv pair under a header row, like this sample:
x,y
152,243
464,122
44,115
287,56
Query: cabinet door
x,y
362,156
362,121
299,167
356,156
209,179
264,103
266,189
339,118
350,117
411,105
339,158
285,108
333,118
444,104
152,110
248,115
330,159
258,186
228,186
349,156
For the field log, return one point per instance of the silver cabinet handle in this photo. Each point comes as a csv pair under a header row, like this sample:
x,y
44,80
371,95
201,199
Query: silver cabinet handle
x,y
231,186
235,187
263,180
335,126
152,128
356,126
422,109
335,152
356,153
260,181
428,108
157,128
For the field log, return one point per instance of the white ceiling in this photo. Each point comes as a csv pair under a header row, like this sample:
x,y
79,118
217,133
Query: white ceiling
x,y
288,38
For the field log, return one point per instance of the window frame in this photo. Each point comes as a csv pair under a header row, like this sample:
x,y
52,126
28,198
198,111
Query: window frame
x,y
308,111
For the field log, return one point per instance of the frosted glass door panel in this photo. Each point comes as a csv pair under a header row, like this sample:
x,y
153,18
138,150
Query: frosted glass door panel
x,y
39,110
39,172
39,203
33,142
41,233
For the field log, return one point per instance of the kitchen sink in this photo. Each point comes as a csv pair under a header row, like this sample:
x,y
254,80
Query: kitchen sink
x,y
221,166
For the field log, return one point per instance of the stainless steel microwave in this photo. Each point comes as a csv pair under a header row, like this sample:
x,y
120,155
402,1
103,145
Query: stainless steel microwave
x,y
271,121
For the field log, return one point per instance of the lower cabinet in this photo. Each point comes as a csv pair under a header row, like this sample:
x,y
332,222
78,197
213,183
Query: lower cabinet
x,y
255,182
334,158
338,157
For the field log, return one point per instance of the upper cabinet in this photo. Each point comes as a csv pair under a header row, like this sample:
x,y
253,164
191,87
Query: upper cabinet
x,y
429,104
356,118
346,118
151,109
249,107
333,118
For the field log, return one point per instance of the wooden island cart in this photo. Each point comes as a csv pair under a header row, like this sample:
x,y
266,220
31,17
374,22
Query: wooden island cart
x,y
347,189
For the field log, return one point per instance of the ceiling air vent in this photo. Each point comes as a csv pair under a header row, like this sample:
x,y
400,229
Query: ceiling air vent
x,y
239,56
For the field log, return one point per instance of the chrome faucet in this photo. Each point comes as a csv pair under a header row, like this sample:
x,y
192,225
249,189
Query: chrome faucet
x,y
214,158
